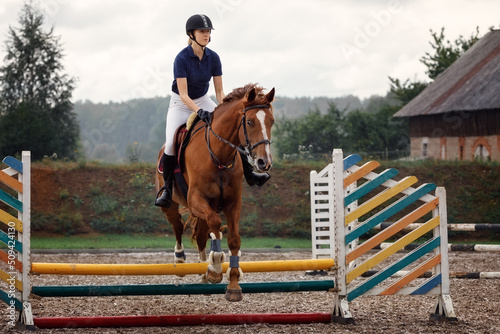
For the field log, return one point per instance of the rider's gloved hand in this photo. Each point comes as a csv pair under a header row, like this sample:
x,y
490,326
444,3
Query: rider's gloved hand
x,y
204,115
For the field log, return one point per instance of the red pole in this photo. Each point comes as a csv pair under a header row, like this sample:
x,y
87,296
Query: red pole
x,y
183,320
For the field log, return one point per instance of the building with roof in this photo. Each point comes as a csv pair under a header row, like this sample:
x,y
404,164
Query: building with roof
x,y
457,116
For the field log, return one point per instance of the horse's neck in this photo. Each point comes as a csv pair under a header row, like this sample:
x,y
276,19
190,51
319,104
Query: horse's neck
x,y
226,125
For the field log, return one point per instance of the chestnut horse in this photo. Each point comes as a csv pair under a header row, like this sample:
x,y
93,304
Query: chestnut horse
x,y
213,172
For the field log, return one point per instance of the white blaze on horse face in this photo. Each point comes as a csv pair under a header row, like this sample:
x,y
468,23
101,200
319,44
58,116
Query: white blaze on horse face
x,y
261,116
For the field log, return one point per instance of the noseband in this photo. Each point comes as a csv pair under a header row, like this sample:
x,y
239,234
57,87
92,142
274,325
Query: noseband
x,y
248,145
247,148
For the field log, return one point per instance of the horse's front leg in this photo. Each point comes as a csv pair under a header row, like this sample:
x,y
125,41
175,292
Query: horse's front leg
x,y
234,273
199,208
215,258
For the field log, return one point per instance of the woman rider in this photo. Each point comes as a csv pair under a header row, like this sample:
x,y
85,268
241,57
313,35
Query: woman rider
x,y
194,66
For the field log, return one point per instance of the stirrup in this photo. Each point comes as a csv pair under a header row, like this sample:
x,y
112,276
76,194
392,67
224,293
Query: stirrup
x,y
168,204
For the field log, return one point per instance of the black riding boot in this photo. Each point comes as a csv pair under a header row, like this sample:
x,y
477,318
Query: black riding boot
x,y
252,177
168,163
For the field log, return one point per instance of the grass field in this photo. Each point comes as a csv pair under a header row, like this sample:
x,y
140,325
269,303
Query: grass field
x,y
117,241
120,241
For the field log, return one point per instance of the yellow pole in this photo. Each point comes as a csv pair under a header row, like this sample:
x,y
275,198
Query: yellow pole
x,y
175,269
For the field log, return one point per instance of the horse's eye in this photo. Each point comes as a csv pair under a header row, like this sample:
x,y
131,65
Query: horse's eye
x,y
249,122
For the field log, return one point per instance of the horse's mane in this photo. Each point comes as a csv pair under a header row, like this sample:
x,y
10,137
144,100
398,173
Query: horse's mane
x,y
239,93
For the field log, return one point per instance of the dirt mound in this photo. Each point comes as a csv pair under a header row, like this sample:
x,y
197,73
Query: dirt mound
x,y
280,208
50,187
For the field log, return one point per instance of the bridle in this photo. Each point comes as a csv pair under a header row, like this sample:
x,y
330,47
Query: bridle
x,y
245,150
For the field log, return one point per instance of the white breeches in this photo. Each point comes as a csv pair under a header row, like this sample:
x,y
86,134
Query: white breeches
x,y
178,113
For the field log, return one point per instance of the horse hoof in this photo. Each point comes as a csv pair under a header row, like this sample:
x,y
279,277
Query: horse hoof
x,y
204,278
234,295
213,277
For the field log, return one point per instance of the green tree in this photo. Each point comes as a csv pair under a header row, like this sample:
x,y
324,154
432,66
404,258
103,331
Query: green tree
x,y
390,133
445,52
36,113
376,132
359,132
314,132
406,91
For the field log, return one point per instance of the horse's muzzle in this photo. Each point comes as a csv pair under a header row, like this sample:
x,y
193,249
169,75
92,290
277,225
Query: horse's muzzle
x,y
263,164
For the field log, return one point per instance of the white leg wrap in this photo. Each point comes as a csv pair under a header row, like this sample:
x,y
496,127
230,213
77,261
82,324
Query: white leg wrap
x,y
216,257
212,235
215,260
179,256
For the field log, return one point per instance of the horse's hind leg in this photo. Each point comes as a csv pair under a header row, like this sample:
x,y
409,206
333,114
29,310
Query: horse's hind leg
x,y
174,218
201,235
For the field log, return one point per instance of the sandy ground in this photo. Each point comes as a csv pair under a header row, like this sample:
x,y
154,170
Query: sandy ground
x,y
476,301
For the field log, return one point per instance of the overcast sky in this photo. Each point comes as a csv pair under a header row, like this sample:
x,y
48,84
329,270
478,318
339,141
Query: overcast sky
x,y
123,49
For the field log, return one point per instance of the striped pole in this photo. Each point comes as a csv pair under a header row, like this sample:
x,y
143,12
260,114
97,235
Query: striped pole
x,y
427,274
451,227
476,275
451,247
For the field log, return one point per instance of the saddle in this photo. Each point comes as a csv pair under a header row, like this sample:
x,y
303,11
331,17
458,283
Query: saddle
x,y
182,138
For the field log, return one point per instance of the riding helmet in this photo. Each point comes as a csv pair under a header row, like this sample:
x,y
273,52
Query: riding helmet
x,y
198,21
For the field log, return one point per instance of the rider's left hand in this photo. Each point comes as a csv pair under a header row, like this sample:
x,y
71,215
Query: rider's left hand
x,y
204,115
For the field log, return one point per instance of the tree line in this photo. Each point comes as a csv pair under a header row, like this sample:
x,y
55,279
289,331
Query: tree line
x,y
371,130
37,112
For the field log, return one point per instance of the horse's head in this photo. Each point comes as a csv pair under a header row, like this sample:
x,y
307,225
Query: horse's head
x,y
255,132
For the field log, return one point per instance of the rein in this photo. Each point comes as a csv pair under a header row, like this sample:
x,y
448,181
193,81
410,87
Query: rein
x,y
246,150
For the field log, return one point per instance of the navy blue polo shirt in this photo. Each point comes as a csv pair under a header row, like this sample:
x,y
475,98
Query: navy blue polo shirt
x,y
198,72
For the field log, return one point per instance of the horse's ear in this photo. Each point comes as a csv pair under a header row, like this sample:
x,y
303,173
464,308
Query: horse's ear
x,y
270,96
251,95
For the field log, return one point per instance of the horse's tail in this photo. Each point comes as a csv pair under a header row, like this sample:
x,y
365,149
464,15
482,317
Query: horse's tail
x,y
193,223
